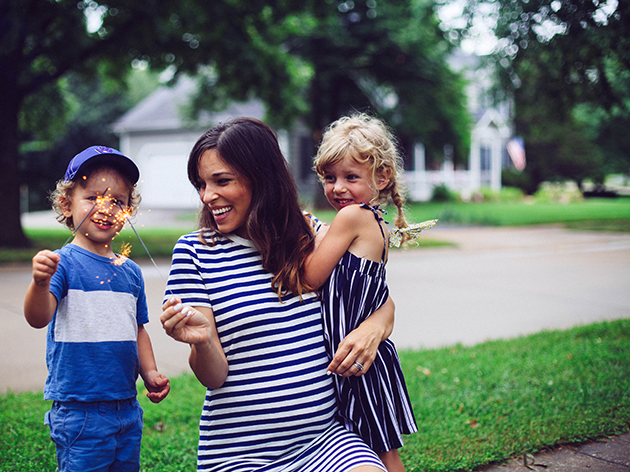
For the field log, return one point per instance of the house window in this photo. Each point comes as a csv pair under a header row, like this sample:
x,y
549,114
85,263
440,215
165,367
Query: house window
x,y
486,158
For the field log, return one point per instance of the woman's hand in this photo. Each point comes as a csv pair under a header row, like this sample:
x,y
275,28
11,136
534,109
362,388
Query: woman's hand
x,y
357,351
185,323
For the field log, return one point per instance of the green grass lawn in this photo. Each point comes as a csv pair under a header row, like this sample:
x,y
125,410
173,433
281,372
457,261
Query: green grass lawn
x,y
474,405
596,213
591,214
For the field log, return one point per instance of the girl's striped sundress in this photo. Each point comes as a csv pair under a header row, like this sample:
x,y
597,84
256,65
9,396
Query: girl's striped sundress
x,y
375,405
276,409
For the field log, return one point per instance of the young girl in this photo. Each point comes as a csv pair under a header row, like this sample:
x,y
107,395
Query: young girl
x,y
360,168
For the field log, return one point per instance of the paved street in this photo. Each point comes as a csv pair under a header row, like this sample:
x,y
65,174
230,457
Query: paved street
x,y
495,283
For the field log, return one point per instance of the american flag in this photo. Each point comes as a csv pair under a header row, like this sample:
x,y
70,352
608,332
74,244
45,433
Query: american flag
x,y
516,150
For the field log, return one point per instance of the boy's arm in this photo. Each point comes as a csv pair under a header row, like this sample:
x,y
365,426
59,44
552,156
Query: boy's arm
x,y
39,303
157,385
342,232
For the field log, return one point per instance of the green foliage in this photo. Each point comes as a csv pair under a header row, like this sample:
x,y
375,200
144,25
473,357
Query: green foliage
x,y
441,193
388,57
473,404
519,180
566,67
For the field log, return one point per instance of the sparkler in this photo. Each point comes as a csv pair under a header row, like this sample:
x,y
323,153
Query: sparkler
x,y
98,201
122,217
125,215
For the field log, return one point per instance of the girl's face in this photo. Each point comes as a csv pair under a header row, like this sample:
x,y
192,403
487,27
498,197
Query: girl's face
x,y
349,182
227,194
99,207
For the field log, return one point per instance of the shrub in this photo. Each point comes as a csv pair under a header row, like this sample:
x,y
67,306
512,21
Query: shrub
x,y
441,193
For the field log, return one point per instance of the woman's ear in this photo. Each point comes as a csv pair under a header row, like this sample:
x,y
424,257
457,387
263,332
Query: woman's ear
x,y
383,178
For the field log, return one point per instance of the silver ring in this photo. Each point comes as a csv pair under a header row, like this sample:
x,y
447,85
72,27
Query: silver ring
x,y
358,366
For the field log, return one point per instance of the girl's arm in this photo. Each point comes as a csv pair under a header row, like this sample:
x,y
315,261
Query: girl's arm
x,y
196,327
342,232
361,344
157,385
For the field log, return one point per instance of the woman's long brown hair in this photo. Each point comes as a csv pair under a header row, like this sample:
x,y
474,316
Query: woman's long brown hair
x,y
275,223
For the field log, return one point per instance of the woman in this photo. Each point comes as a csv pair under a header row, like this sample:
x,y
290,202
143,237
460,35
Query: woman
x,y
256,341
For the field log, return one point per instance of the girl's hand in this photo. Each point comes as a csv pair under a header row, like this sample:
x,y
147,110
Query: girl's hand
x,y
357,349
184,323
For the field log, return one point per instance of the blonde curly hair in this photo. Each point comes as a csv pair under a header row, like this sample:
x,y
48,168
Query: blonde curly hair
x,y
61,197
370,142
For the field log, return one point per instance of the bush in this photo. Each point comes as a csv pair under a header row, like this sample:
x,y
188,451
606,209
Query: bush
x,y
441,193
520,180
562,192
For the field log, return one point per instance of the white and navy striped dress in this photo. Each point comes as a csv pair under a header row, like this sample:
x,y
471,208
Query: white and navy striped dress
x,y
276,409
375,405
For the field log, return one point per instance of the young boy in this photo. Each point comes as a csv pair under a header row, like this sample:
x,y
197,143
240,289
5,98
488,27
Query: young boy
x,y
94,304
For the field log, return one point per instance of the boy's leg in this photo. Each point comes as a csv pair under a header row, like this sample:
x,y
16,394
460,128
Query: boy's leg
x,y
129,438
87,435
83,437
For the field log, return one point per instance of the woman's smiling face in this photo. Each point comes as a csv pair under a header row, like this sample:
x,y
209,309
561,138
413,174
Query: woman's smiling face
x,y
227,193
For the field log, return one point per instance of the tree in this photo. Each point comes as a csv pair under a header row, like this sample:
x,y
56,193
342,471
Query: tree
x,y
302,58
388,57
556,58
43,40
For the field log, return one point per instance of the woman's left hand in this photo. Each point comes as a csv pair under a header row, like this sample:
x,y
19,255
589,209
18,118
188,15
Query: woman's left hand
x,y
355,353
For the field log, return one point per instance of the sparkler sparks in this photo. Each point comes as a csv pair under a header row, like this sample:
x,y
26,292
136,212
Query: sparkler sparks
x,y
98,201
125,215
106,205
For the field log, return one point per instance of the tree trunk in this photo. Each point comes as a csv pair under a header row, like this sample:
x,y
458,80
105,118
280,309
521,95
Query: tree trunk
x,y
12,234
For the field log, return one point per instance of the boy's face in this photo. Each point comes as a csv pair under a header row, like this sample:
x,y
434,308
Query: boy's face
x,y
104,198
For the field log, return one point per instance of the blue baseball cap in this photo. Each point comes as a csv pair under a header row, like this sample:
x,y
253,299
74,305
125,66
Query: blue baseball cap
x,y
113,156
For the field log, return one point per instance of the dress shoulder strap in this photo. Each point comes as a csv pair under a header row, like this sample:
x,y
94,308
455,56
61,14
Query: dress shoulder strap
x,y
376,211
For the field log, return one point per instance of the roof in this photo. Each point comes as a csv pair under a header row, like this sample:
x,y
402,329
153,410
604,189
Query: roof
x,y
162,110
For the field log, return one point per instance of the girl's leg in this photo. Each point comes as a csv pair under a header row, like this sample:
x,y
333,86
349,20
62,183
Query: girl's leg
x,y
392,461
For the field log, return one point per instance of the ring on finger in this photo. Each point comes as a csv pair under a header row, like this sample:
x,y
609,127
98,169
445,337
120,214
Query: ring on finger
x,y
359,366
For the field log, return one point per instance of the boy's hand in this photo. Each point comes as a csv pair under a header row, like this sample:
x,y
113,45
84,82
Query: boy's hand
x,y
157,386
45,265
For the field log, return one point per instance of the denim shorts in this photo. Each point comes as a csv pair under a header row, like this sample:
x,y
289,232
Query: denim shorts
x,y
97,436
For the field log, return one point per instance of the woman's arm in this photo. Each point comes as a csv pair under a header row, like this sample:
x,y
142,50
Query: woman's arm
x,y
196,326
361,344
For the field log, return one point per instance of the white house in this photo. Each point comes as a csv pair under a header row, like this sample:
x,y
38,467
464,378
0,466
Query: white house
x,y
489,137
158,138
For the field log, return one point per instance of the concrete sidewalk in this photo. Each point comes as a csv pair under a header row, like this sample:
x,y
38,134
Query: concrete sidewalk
x,y
608,455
